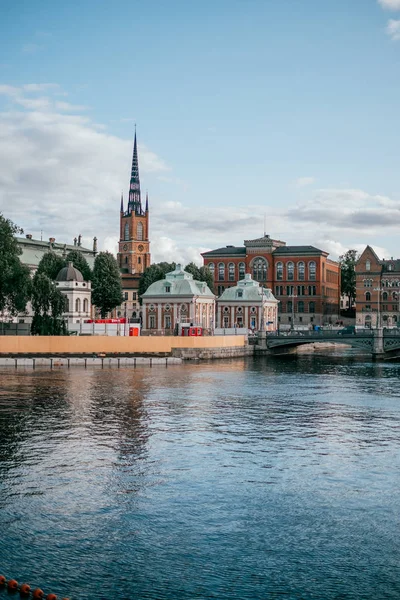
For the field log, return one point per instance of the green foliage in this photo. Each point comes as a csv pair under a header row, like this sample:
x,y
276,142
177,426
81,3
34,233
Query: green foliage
x,y
48,306
106,283
15,281
155,272
50,265
201,274
348,274
80,263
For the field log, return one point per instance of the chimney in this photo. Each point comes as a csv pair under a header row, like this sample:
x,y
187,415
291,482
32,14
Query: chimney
x,y
79,240
95,244
28,236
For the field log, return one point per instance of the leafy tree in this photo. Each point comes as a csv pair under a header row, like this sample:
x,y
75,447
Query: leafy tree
x,y
106,283
80,263
15,281
51,264
201,274
48,305
348,275
154,273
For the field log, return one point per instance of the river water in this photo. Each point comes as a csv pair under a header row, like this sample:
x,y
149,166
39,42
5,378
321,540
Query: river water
x,y
245,479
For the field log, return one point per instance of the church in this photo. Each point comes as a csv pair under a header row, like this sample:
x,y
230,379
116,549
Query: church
x,y
134,245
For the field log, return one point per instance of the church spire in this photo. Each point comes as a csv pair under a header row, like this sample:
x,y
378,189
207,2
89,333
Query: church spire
x,y
122,202
135,203
147,202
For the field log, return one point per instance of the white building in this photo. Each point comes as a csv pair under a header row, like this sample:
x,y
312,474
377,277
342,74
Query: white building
x,y
77,294
248,305
178,299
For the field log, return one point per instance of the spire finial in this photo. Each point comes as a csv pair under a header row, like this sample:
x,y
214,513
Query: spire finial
x,y
147,201
122,202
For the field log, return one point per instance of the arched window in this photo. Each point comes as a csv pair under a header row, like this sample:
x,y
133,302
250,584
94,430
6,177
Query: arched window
x,y
301,271
368,297
221,272
231,272
290,271
66,304
260,269
85,305
279,271
126,260
139,231
312,270
211,266
385,296
242,270
126,231
367,265
300,306
311,307
78,305
394,296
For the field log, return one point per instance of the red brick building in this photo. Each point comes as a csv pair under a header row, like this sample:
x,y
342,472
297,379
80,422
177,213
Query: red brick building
x,y
304,280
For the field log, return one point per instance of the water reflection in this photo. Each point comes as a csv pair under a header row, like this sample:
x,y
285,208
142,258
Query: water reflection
x,y
242,479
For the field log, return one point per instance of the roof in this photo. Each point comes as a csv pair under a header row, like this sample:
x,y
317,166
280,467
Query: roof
x,y
34,250
227,251
310,250
179,283
249,290
391,265
69,273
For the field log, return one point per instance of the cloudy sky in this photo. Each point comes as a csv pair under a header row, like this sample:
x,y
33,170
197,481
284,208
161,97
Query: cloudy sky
x,y
252,115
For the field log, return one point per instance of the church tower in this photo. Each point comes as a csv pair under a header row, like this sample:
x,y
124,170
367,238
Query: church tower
x,y
134,245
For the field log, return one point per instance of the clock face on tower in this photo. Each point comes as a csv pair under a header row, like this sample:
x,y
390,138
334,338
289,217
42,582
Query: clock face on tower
x,y
125,247
140,247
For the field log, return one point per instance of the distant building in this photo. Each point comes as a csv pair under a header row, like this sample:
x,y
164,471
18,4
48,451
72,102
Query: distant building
x,y
178,299
34,250
302,278
77,294
377,290
248,304
134,244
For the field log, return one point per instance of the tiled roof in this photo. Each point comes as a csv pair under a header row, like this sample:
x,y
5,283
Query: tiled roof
x,y
34,250
227,251
298,250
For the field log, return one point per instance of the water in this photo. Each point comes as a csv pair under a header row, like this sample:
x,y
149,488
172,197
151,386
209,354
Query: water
x,y
231,480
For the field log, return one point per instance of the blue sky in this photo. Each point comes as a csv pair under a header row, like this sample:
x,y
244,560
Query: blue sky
x,y
244,108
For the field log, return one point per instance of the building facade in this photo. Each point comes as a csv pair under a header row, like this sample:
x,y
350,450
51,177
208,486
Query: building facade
x,y
377,291
248,304
175,300
134,244
34,250
302,278
77,294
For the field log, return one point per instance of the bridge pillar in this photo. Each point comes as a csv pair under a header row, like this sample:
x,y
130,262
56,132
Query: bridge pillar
x,y
262,339
377,349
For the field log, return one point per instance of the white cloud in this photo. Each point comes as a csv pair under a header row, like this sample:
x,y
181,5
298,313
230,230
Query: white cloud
x,y
390,4
304,181
393,29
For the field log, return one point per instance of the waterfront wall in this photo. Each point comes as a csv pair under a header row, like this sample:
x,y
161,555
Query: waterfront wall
x,y
180,347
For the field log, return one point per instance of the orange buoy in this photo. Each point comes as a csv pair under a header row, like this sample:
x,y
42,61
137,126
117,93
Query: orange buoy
x,y
3,580
51,597
25,589
12,585
37,594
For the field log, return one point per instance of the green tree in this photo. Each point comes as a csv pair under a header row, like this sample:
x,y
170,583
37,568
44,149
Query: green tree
x,y
106,283
155,272
15,281
51,264
48,305
80,263
201,274
348,275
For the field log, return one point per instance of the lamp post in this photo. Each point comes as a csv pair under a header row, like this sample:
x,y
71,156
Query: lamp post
x,y
378,317
124,319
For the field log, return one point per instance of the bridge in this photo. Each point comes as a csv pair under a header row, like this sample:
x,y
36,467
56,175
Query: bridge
x,y
381,342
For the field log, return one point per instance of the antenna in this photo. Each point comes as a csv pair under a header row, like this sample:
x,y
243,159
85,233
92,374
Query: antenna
x,y
41,235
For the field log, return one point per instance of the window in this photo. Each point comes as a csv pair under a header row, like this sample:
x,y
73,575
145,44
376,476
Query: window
x,y
385,296
279,271
167,321
126,231
211,266
126,260
139,231
125,295
290,271
167,289
312,290
139,260
134,296
368,297
231,272
311,307
242,270
66,304
78,305
152,324
312,271
300,306
221,272
239,293
279,290
289,290
289,306
260,269
367,265
85,305
301,290
301,271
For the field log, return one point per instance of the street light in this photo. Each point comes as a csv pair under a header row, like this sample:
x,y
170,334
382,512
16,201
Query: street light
x,y
378,318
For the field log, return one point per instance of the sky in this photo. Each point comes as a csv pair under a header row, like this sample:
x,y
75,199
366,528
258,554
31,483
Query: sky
x,y
253,117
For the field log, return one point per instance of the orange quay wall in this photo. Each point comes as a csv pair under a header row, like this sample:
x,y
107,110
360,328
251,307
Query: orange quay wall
x,y
48,345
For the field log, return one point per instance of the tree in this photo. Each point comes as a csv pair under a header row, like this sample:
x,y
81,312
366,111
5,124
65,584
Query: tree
x,y
106,283
80,263
15,281
48,306
348,275
50,264
154,273
201,274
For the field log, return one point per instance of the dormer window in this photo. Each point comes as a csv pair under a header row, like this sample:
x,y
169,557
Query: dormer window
x,y
167,289
389,267
240,293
